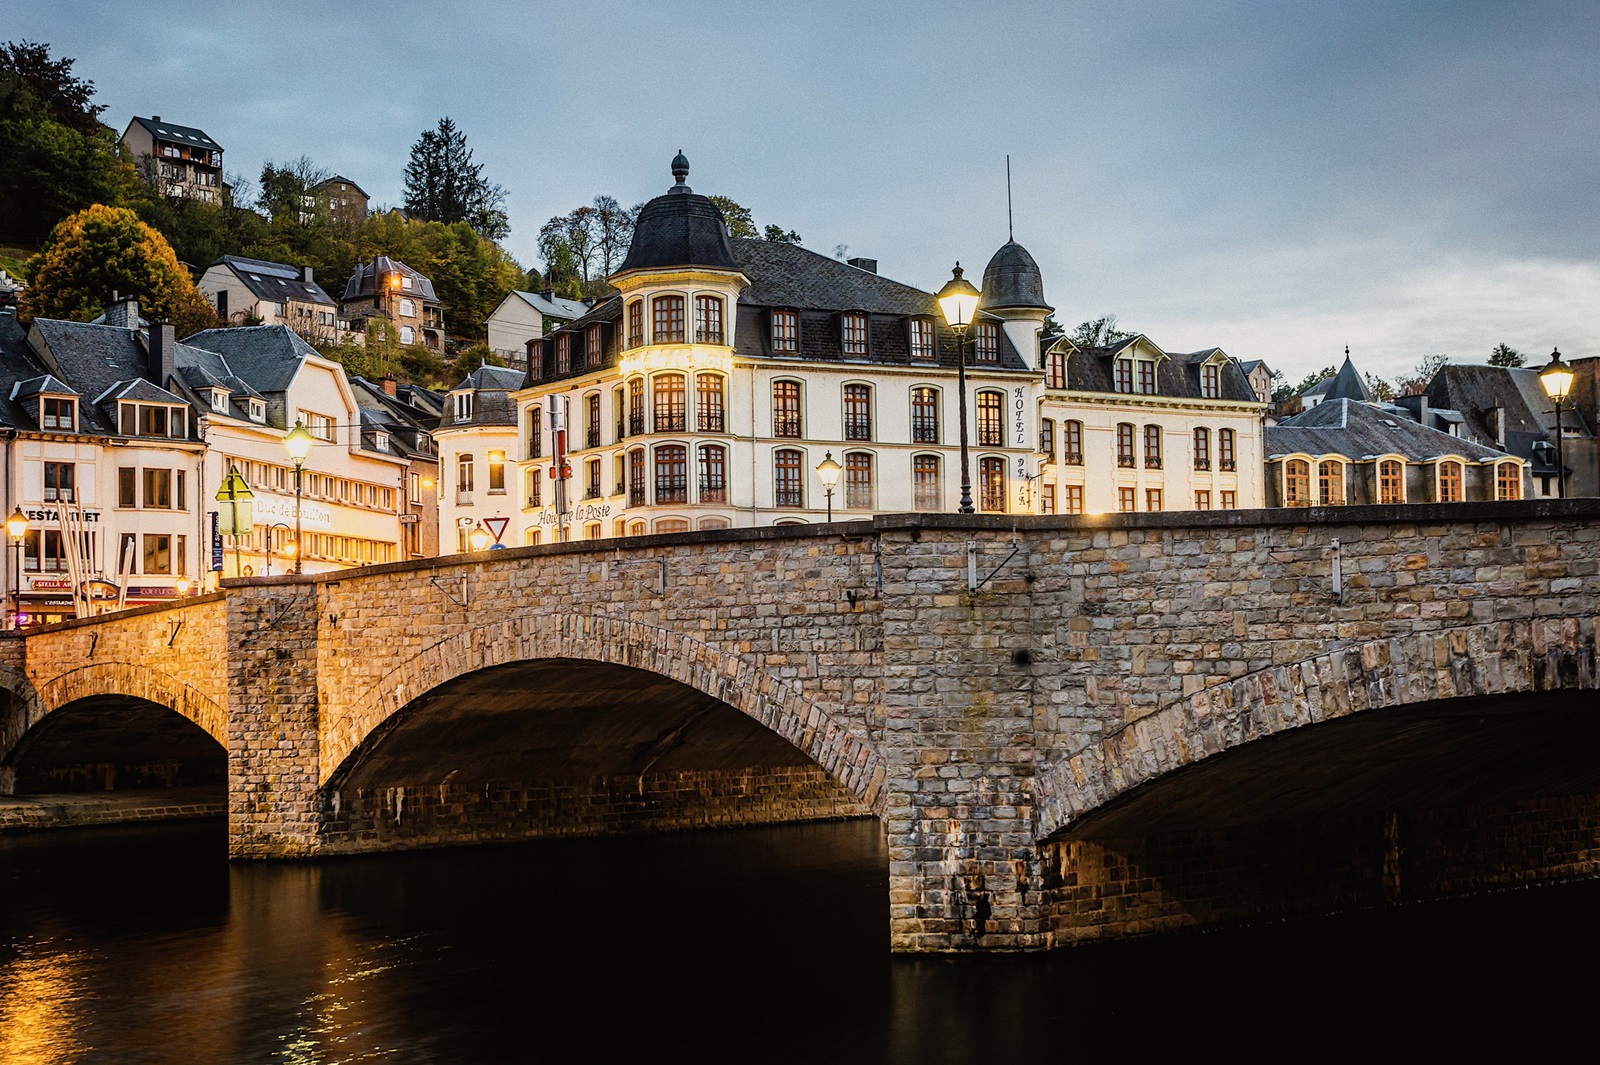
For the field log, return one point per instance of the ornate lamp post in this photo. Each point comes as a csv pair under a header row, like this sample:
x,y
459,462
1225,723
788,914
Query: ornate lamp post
x,y
17,529
828,474
958,301
478,538
1557,381
298,442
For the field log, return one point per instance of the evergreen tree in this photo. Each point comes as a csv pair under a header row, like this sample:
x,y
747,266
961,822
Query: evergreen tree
x,y
1505,355
443,184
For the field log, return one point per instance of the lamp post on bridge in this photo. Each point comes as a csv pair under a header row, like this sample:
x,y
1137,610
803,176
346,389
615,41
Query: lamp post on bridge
x,y
291,549
17,529
298,442
1557,381
828,474
958,301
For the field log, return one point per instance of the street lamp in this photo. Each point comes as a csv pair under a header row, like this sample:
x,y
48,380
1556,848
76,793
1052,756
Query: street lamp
x,y
291,549
17,529
298,442
958,301
828,474
181,585
478,538
1557,381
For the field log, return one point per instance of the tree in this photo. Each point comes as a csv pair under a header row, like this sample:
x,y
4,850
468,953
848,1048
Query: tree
x,y
613,233
776,235
1381,390
1283,394
1417,382
737,216
443,184
104,249
1098,333
286,194
1505,355
57,157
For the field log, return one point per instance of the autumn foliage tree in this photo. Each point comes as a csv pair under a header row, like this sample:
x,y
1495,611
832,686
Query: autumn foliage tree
x,y
101,250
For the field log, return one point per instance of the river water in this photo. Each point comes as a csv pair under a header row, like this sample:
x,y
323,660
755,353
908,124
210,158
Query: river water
x,y
758,945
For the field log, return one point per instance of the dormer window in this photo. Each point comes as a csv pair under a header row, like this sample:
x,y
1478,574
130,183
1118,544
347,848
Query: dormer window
x,y
922,348
563,353
59,414
219,400
1135,375
785,331
380,441
853,331
986,342
258,410
1210,381
151,419
464,406
592,345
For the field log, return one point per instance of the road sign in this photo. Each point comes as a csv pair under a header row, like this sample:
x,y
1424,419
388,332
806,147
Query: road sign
x,y
497,526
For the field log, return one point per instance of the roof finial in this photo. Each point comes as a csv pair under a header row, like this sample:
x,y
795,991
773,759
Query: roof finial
x,y
1347,351
680,170
1010,235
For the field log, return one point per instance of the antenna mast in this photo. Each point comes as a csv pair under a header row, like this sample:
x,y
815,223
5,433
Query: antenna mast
x,y
1010,235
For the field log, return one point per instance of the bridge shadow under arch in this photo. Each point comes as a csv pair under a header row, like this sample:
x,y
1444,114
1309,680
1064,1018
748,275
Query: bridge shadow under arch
x,y
563,746
116,742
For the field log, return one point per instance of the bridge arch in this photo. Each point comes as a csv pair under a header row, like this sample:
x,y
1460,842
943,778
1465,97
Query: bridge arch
x,y
737,680
1504,658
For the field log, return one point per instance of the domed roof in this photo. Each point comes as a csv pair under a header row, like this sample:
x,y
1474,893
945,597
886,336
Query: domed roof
x,y
679,229
1012,279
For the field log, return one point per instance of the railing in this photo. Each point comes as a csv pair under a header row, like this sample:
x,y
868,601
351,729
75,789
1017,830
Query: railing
x,y
711,421
636,425
622,431
925,432
787,497
669,336
1152,462
786,425
1073,458
713,493
991,437
1228,465
535,448
592,438
636,496
622,488
1125,461
672,492
593,491
858,427
708,336
670,421
1202,464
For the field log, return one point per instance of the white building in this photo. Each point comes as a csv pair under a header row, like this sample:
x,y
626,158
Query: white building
x,y
257,292
525,316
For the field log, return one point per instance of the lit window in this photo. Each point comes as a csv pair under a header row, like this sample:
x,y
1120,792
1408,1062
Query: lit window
x,y
786,409
669,397
497,471
1297,483
926,493
992,484
708,404
1450,477
991,419
858,480
788,486
922,339
1391,481
636,323
667,312
1508,481
1072,443
1330,483
672,474
708,319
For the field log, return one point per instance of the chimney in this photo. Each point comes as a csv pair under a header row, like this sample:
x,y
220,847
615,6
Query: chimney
x,y
305,274
162,353
1499,414
389,387
869,265
123,313
155,118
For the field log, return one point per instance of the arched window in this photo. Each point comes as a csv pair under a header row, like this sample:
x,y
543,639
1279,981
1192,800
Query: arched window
x,y
1227,459
1202,449
668,399
986,343
1450,482
667,319
991,419
636,323
1330,483
926,491
1507,481
713,473
672,474
924,415
786,408
636,477
534,487
707,524
1072,442
858,480
1391,481
708,403
636,406
788,485
636,528
1126,455
1152,447
592,430
857,412
1296,483
591,530
672,525
535,442
708,319
1055,373
992,484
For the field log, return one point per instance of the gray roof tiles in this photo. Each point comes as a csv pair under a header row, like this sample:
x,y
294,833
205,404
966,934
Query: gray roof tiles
x,y
265,356
1359,430
173,133
274,281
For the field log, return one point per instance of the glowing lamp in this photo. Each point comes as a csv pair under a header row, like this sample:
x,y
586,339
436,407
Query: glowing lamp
x,y
958,300
298,442
1556,377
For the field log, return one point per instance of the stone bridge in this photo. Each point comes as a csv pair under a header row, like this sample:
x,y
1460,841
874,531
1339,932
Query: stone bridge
x,y
1071,728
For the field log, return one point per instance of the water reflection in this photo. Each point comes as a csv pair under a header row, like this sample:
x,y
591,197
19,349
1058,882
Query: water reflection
x,y
761,945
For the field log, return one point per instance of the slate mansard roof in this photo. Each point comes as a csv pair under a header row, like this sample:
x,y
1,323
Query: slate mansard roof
x,y
364,282
1090,370
274,281
1361,431
679,229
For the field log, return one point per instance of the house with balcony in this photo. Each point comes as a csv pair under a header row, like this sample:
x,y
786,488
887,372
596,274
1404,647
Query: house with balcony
x,y
257,292
180,161
390,290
